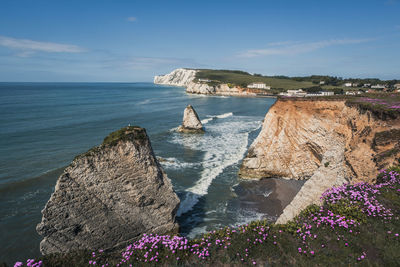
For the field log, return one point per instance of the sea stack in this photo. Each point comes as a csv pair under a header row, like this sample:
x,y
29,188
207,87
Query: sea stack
x,y
191,122
109,196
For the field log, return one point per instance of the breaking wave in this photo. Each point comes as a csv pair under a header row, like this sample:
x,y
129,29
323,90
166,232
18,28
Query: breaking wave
x,y
224,143
174,163
211,117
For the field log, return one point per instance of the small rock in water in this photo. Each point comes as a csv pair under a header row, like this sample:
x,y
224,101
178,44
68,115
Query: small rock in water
x,y
191,122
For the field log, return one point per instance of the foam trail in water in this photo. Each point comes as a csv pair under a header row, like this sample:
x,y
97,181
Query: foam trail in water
x,y
211,117
205,121
225,115
174,163
224,144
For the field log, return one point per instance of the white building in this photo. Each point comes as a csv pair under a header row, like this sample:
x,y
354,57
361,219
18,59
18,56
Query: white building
x,y
296,93
327,93
259,86
378,86
321,94
353,93
321,82
204,80
397,86
348,84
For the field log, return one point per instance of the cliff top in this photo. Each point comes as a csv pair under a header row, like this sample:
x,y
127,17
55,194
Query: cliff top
x,y
382,105
123,134
241,78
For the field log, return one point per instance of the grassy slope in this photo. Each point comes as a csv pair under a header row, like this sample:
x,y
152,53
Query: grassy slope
x,y
360,232
240,78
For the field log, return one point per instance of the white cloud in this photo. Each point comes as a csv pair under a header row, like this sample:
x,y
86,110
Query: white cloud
x,y
294,48
131,19
28,47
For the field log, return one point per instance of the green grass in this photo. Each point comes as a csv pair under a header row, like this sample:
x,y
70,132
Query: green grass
x,y
242,79
127,133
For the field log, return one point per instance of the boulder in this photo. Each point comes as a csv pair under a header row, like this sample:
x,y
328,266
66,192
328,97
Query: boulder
x,y
191,122
109,196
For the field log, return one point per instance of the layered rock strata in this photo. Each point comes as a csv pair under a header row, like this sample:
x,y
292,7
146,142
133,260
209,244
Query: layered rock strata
x,y
109,196
191,122
326,142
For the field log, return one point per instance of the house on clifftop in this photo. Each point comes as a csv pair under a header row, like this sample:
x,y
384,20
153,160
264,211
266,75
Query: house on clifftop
x,y
259,86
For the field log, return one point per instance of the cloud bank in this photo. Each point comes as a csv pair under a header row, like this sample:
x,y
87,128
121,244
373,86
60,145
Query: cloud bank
x,y
294,48
28,47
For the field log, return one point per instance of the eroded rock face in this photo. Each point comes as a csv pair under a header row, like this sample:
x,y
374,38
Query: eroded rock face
x,y
109,196
326,142
221,89
191,122
178,77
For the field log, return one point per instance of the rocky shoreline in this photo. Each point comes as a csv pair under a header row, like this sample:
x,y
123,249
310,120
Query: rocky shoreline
x,y
112,194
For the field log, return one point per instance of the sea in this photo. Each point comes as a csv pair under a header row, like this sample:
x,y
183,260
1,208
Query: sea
x,y
43,126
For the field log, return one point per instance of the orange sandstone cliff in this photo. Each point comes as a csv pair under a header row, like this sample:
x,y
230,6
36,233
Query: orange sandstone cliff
x,y
326,142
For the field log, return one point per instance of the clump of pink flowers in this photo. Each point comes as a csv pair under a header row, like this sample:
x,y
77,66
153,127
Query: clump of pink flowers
x,y
361,197
29,262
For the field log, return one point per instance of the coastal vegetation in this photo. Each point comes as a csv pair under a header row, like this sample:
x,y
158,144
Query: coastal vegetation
x,y
356,223
241,78
384,104
313,83
380,104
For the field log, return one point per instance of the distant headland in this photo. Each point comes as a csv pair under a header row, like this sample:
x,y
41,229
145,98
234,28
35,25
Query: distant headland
x,y
241,83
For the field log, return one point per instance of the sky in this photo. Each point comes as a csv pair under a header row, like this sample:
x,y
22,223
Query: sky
x,y
131,41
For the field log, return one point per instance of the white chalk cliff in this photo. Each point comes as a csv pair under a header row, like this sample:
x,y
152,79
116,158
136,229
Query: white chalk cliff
x,y
178,77
186,78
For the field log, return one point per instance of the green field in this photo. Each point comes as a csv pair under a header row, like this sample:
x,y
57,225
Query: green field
x,y
242,79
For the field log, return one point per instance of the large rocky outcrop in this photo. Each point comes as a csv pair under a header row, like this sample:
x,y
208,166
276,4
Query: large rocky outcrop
x,y
187,78
178,77
109,196
220,89
191,122
326,142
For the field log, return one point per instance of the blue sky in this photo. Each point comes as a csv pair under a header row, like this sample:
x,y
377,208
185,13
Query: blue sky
x,y
131,41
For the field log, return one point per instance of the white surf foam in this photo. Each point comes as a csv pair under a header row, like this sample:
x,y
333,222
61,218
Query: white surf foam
x,y
174,163
221,116
205,121
266,194
225,115
246,216
144,102
224,144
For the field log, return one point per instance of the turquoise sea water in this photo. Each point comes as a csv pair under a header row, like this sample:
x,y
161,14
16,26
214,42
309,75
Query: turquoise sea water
x,y
43,126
